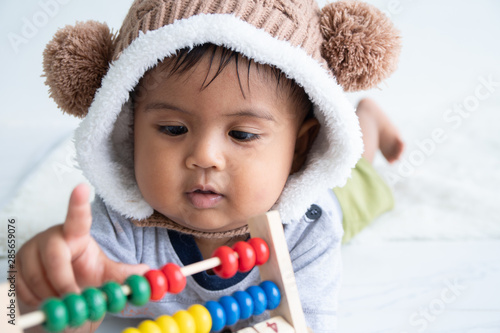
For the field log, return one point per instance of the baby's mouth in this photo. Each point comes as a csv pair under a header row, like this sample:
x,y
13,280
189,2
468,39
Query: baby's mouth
x,y
205,192
204,199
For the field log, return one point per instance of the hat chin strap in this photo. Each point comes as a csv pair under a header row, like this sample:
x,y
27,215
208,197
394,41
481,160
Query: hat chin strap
x,y
161,221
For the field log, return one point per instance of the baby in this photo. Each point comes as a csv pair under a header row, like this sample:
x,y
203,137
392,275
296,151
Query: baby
x,y
200,115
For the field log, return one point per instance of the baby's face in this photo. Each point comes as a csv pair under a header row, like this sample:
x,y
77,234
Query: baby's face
x,y
210,158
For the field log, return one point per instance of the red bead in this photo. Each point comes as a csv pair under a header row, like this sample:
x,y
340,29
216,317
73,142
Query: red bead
x,y
158,282
246,256
229,262
176,280
261,250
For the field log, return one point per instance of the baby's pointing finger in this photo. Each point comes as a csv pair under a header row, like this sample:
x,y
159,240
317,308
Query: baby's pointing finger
x,y
79,217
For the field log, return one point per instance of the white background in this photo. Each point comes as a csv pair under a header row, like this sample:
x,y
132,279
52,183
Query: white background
x,y
446,223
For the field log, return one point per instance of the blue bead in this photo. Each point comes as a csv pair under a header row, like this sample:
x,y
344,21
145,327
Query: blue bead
x,y
245,302
259,299
218,315
231,308
273,294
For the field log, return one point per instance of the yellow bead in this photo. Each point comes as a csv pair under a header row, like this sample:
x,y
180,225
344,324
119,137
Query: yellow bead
x,y
185,321
131,330
202,318
167,324
149,326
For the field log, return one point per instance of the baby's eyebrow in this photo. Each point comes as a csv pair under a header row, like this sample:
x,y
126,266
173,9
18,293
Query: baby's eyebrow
x,y
158,106
261,114
253,113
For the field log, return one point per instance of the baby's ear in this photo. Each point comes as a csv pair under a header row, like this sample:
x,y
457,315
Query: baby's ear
x,y
361,45
305,138
74,63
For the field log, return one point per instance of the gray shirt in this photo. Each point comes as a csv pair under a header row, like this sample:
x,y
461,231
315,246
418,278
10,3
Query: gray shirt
x,y
313,242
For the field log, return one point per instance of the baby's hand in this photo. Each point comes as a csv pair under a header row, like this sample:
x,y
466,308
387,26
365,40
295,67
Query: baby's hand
x,y
65,258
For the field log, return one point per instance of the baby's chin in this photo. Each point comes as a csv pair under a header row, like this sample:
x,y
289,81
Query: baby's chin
x,y
208,222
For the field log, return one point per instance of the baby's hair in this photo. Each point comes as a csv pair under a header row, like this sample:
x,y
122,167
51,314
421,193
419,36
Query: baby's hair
x,y
186,58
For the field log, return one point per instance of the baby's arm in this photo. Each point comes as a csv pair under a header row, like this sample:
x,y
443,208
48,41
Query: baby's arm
x,y
66,258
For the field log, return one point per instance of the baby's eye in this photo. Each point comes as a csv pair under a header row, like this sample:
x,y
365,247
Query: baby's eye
x,y
243,136
173,130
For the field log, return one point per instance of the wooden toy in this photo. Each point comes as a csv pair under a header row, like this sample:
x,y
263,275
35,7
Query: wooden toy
x,y
266,248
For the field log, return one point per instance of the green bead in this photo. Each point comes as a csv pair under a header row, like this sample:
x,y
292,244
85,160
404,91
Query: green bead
x,y
116,299
56,315
96,303
140,290
78,311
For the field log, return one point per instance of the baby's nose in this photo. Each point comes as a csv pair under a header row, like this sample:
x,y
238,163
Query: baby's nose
x,y
206,154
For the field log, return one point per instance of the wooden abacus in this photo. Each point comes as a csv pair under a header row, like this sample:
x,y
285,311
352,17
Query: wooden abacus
x,y
275,268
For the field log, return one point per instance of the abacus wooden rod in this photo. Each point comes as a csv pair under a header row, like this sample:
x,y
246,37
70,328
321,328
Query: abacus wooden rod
x,y
31,319
200,266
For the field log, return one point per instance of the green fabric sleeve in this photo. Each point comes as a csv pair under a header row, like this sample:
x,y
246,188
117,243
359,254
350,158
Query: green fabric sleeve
x,y
364,197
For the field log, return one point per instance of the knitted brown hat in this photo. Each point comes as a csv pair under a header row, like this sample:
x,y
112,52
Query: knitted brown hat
x,y
359,43
346,46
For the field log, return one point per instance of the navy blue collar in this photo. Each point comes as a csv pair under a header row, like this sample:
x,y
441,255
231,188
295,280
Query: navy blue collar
x,y
187,251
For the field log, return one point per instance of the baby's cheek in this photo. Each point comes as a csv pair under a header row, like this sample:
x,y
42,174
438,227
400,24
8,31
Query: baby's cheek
x,y
266,191
151,183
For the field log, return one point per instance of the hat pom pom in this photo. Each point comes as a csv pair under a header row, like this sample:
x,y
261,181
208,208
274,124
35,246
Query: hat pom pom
x,y
361,45
74,63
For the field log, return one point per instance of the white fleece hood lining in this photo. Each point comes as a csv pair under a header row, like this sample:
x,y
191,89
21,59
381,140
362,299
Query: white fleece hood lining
x,y
103,139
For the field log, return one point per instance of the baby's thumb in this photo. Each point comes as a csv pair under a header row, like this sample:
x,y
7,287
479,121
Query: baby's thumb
x,y
79,217
118,272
